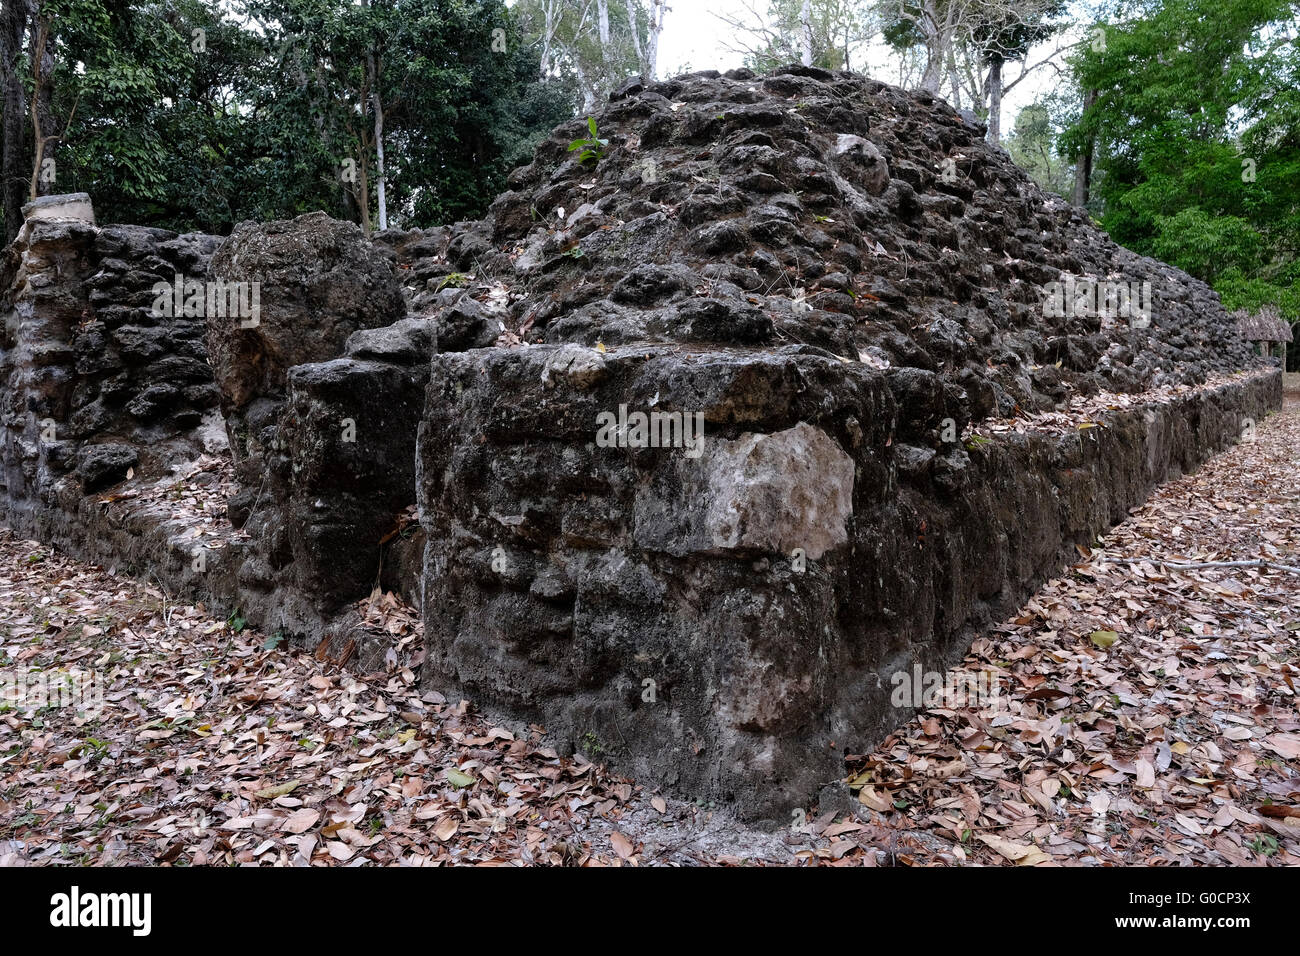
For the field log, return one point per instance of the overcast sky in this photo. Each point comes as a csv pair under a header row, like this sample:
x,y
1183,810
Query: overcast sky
x,y
695,38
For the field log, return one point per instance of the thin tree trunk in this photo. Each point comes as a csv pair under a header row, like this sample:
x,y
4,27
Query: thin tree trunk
x,y
13,127
549,9
995,102
1083,164
380,169
364,144
805,22
589,95
635,30
953,83
657,10
363,197
372,80
41,55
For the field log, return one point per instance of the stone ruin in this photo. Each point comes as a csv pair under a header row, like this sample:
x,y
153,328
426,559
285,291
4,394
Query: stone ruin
x,y
683,453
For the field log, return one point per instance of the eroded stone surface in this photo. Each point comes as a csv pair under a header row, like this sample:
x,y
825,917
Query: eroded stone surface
x,y
829,279
839,278
789,490
320,282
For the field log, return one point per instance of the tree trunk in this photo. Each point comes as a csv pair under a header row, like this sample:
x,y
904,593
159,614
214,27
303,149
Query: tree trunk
x,y
587,88
995,102
13,125
657,10
635,30
805,22
1083,164
40,53
363,195
380,177
379,164
548,36
938,41
954,84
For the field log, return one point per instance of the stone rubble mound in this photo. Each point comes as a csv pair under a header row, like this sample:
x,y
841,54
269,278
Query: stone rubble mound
x,y
815,208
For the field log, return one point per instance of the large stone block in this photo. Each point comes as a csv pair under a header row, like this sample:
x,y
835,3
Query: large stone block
x,y
320,280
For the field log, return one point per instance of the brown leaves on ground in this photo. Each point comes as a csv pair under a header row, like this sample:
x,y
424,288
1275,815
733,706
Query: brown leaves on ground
x,y
209,748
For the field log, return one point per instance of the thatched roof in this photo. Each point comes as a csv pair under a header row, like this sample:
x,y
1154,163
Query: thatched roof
x,y
1266,325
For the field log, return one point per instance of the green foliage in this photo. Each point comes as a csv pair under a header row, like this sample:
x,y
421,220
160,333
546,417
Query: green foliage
x,y
1031,144
591,147
1197,130
133,77
1264,845
1206,245
1281,288
256,120
455,280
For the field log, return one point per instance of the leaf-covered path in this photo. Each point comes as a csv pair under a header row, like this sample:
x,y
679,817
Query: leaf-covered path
x,y
1146,714
1143,714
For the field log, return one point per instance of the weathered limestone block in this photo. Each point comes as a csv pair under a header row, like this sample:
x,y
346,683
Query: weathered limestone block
x,y
780,492
792,489
560,575
74,206
104,464
304,286
341,471
320,280
862,163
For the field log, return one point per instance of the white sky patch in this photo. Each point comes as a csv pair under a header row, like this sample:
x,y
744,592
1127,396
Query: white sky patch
x,y
695,38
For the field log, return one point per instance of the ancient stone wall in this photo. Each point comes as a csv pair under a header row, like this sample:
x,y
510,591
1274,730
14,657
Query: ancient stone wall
x,y
115,443
684,453
101,374
728,624
814,290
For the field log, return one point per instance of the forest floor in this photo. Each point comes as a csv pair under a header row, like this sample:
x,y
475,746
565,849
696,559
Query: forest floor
x,y
1133,712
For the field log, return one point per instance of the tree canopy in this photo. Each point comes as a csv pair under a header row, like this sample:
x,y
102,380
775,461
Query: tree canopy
x,y
1196,124
195,114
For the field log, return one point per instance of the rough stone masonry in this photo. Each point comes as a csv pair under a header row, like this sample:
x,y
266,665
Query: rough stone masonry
x,y
697,432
